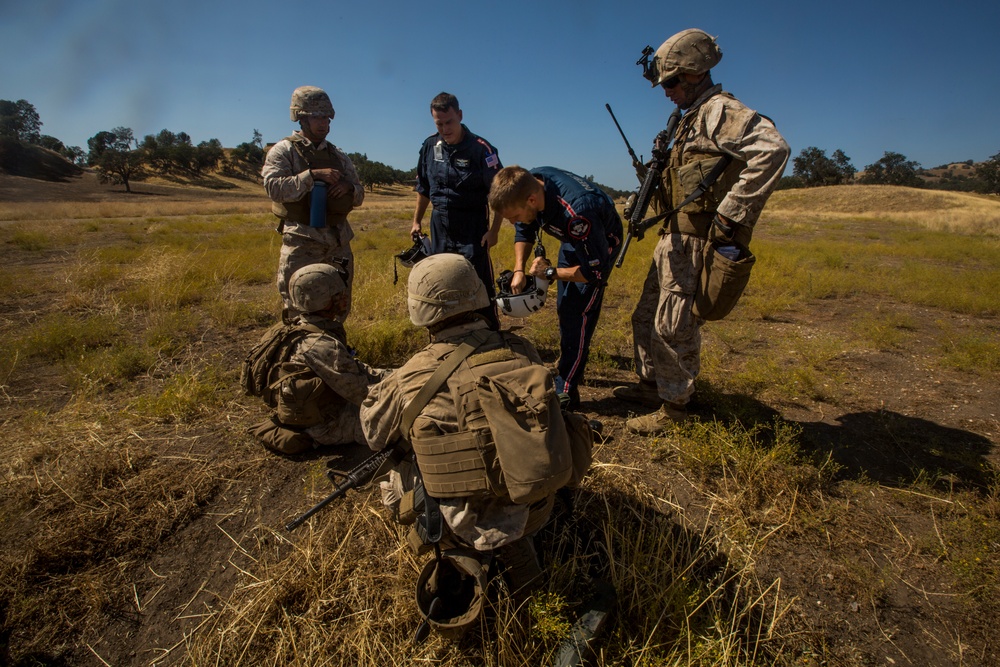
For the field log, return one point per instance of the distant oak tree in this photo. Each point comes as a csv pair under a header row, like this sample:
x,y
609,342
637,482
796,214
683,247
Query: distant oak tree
x,y
113,156
813,168
892,169
19,120
989,174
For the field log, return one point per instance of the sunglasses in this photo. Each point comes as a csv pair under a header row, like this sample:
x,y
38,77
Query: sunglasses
x,y
671,82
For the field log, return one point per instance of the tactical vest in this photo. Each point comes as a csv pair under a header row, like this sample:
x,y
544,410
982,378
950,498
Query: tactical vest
x,y
686,170
298,211
466,462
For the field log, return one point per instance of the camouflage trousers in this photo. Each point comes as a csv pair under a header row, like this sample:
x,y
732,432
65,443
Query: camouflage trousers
x,y
665,333
302,245
342,426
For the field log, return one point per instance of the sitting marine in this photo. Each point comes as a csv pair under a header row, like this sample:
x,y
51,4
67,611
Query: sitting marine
x,y
489,446
315,381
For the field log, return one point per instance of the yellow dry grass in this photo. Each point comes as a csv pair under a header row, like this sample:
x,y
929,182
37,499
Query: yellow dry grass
x,y
136,430
935,210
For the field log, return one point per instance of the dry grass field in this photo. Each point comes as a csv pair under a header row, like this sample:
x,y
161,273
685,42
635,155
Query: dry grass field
x,y
834,501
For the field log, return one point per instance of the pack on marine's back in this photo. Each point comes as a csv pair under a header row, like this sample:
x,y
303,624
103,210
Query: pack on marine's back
x,y
273,349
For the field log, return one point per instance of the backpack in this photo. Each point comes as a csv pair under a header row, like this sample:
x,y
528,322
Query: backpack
x,y
515,442
273,349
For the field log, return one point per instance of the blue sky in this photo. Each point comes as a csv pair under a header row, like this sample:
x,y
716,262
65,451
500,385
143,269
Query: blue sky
x,y
916,77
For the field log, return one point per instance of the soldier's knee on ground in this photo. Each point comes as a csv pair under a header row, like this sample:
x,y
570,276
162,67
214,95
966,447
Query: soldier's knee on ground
x,y
281,439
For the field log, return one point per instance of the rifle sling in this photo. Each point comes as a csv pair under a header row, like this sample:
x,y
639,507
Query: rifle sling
x,y
438,378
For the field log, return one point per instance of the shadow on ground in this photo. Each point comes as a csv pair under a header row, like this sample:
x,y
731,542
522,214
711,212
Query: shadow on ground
x,y
880,446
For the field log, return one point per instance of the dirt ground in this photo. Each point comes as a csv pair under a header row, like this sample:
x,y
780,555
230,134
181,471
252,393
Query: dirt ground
x,y
867,587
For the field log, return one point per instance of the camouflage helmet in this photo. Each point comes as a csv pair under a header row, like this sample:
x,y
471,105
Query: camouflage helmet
x,y
441,286
312,287
690,51
310,101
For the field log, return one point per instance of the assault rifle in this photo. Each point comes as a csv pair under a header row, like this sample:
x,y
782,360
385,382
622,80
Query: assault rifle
x,y
358,476
661,156
637,226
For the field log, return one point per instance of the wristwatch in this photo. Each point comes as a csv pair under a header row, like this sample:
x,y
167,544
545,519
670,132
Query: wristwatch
x,y
550,273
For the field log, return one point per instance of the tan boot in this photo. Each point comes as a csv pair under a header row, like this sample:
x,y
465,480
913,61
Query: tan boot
x,y
642,392
657,423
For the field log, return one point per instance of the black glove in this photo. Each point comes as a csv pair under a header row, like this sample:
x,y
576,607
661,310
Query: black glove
x,y
721,232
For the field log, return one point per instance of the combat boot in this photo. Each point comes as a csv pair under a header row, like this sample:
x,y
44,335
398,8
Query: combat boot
x,y
643,392
659,422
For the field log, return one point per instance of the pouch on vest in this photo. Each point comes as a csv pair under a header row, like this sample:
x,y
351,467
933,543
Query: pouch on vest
x,y
690,176
257,375
529,434
455,465
721,282
300,394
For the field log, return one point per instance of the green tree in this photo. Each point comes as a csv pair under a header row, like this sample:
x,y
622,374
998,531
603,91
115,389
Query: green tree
x,y
19,120
892,169
111,153
207,155
813,168
989,174
844,166
76,155
53,144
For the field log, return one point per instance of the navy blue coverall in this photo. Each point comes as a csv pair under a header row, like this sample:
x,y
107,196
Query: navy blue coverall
x,y
457,180
585,221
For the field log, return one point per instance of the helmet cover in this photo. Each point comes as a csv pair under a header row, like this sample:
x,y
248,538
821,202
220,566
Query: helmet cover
x,y
450,591
441,286
311,288
690,51
310,101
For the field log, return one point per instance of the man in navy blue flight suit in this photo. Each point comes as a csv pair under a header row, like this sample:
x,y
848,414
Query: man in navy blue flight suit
x,y
585,221
454,174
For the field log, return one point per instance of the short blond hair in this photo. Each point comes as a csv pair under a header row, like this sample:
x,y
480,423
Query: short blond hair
x,y
511,187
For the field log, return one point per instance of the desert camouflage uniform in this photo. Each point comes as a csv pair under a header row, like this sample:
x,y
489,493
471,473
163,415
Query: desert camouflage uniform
x,y
287,179
483,520
666,334
335,364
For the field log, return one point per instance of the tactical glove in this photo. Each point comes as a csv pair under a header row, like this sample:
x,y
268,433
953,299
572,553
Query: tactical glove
x,y
721,231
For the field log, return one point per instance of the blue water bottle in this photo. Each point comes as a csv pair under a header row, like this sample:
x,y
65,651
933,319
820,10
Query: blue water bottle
x,y
317,208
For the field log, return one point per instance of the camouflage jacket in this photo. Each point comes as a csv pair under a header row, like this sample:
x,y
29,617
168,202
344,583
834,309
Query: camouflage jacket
x,y
334,362
718,124
482,520
287,178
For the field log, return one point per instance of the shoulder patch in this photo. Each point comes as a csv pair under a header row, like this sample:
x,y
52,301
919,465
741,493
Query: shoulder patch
x,y
578,228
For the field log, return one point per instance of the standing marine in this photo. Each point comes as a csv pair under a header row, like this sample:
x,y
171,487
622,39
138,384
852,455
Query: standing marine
x,y
715,126
297,168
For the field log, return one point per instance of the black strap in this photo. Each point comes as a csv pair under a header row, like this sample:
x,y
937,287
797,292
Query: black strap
x,y
430,524
448,366
703,186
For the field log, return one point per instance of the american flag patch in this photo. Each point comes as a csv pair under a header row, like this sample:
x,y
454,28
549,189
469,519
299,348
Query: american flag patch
x,y
492,161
